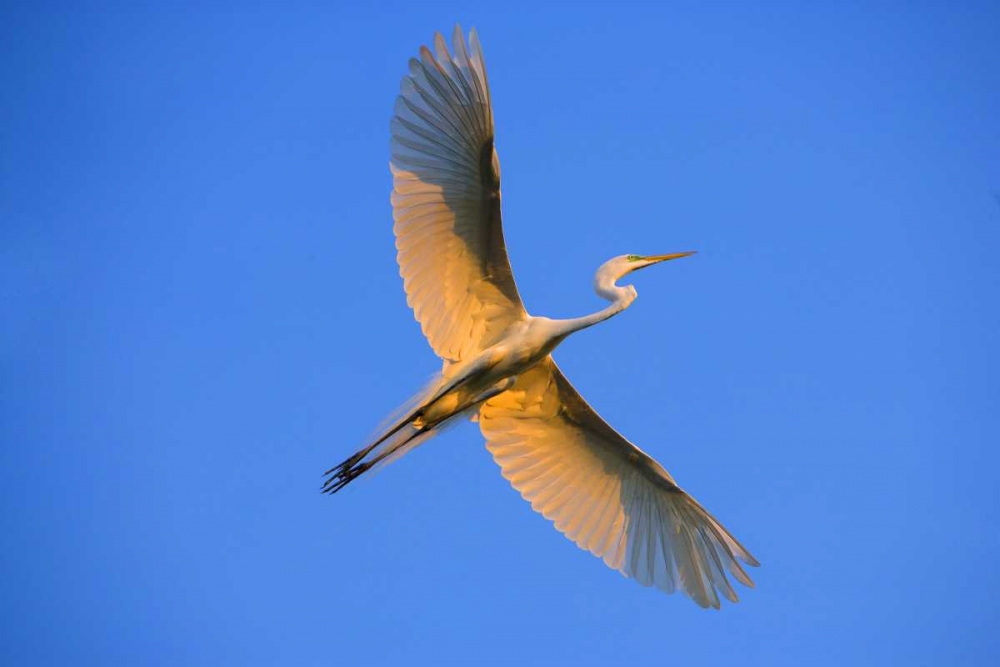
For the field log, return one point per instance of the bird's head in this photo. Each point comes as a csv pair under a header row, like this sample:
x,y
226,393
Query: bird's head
x,y
618,267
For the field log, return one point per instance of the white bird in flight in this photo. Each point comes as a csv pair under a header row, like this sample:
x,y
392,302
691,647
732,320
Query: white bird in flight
x,y
600,490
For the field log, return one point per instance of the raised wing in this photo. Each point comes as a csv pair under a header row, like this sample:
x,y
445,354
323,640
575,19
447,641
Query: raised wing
x,y
446,202
604,493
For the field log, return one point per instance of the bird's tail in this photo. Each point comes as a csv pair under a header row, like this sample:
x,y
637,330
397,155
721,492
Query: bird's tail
x,y
404,430
401,441
442,403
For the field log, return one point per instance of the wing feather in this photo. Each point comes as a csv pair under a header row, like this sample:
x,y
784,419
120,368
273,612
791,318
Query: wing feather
x,y
604,493
446,201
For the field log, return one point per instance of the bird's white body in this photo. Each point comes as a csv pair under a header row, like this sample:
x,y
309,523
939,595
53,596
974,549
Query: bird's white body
x,y
467,384
599,489
524,343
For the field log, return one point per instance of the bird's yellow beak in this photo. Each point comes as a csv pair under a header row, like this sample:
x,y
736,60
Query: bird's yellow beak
x,y
655,259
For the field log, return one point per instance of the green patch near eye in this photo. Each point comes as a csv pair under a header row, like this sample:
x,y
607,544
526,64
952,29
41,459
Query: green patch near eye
x,y
634,258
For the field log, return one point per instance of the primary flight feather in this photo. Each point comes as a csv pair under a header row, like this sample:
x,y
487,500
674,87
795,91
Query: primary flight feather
x,y
599,490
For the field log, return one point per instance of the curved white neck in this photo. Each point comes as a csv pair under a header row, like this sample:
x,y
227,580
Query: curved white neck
x,y
620,298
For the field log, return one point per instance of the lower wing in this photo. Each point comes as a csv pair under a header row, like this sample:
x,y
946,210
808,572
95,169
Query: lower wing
x,y
606,494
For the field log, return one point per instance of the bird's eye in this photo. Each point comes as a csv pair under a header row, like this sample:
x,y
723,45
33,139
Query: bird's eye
x,y
634,258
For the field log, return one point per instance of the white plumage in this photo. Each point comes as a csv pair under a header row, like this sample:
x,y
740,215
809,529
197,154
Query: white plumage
x,y
601,491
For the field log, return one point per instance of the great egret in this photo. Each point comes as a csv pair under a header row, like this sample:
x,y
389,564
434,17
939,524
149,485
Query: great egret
x,y
600,490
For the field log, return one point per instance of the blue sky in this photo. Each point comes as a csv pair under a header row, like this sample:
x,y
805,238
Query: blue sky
x,y
201,313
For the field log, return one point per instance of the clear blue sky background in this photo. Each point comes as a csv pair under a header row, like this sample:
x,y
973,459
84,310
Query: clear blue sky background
x,y
201,313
